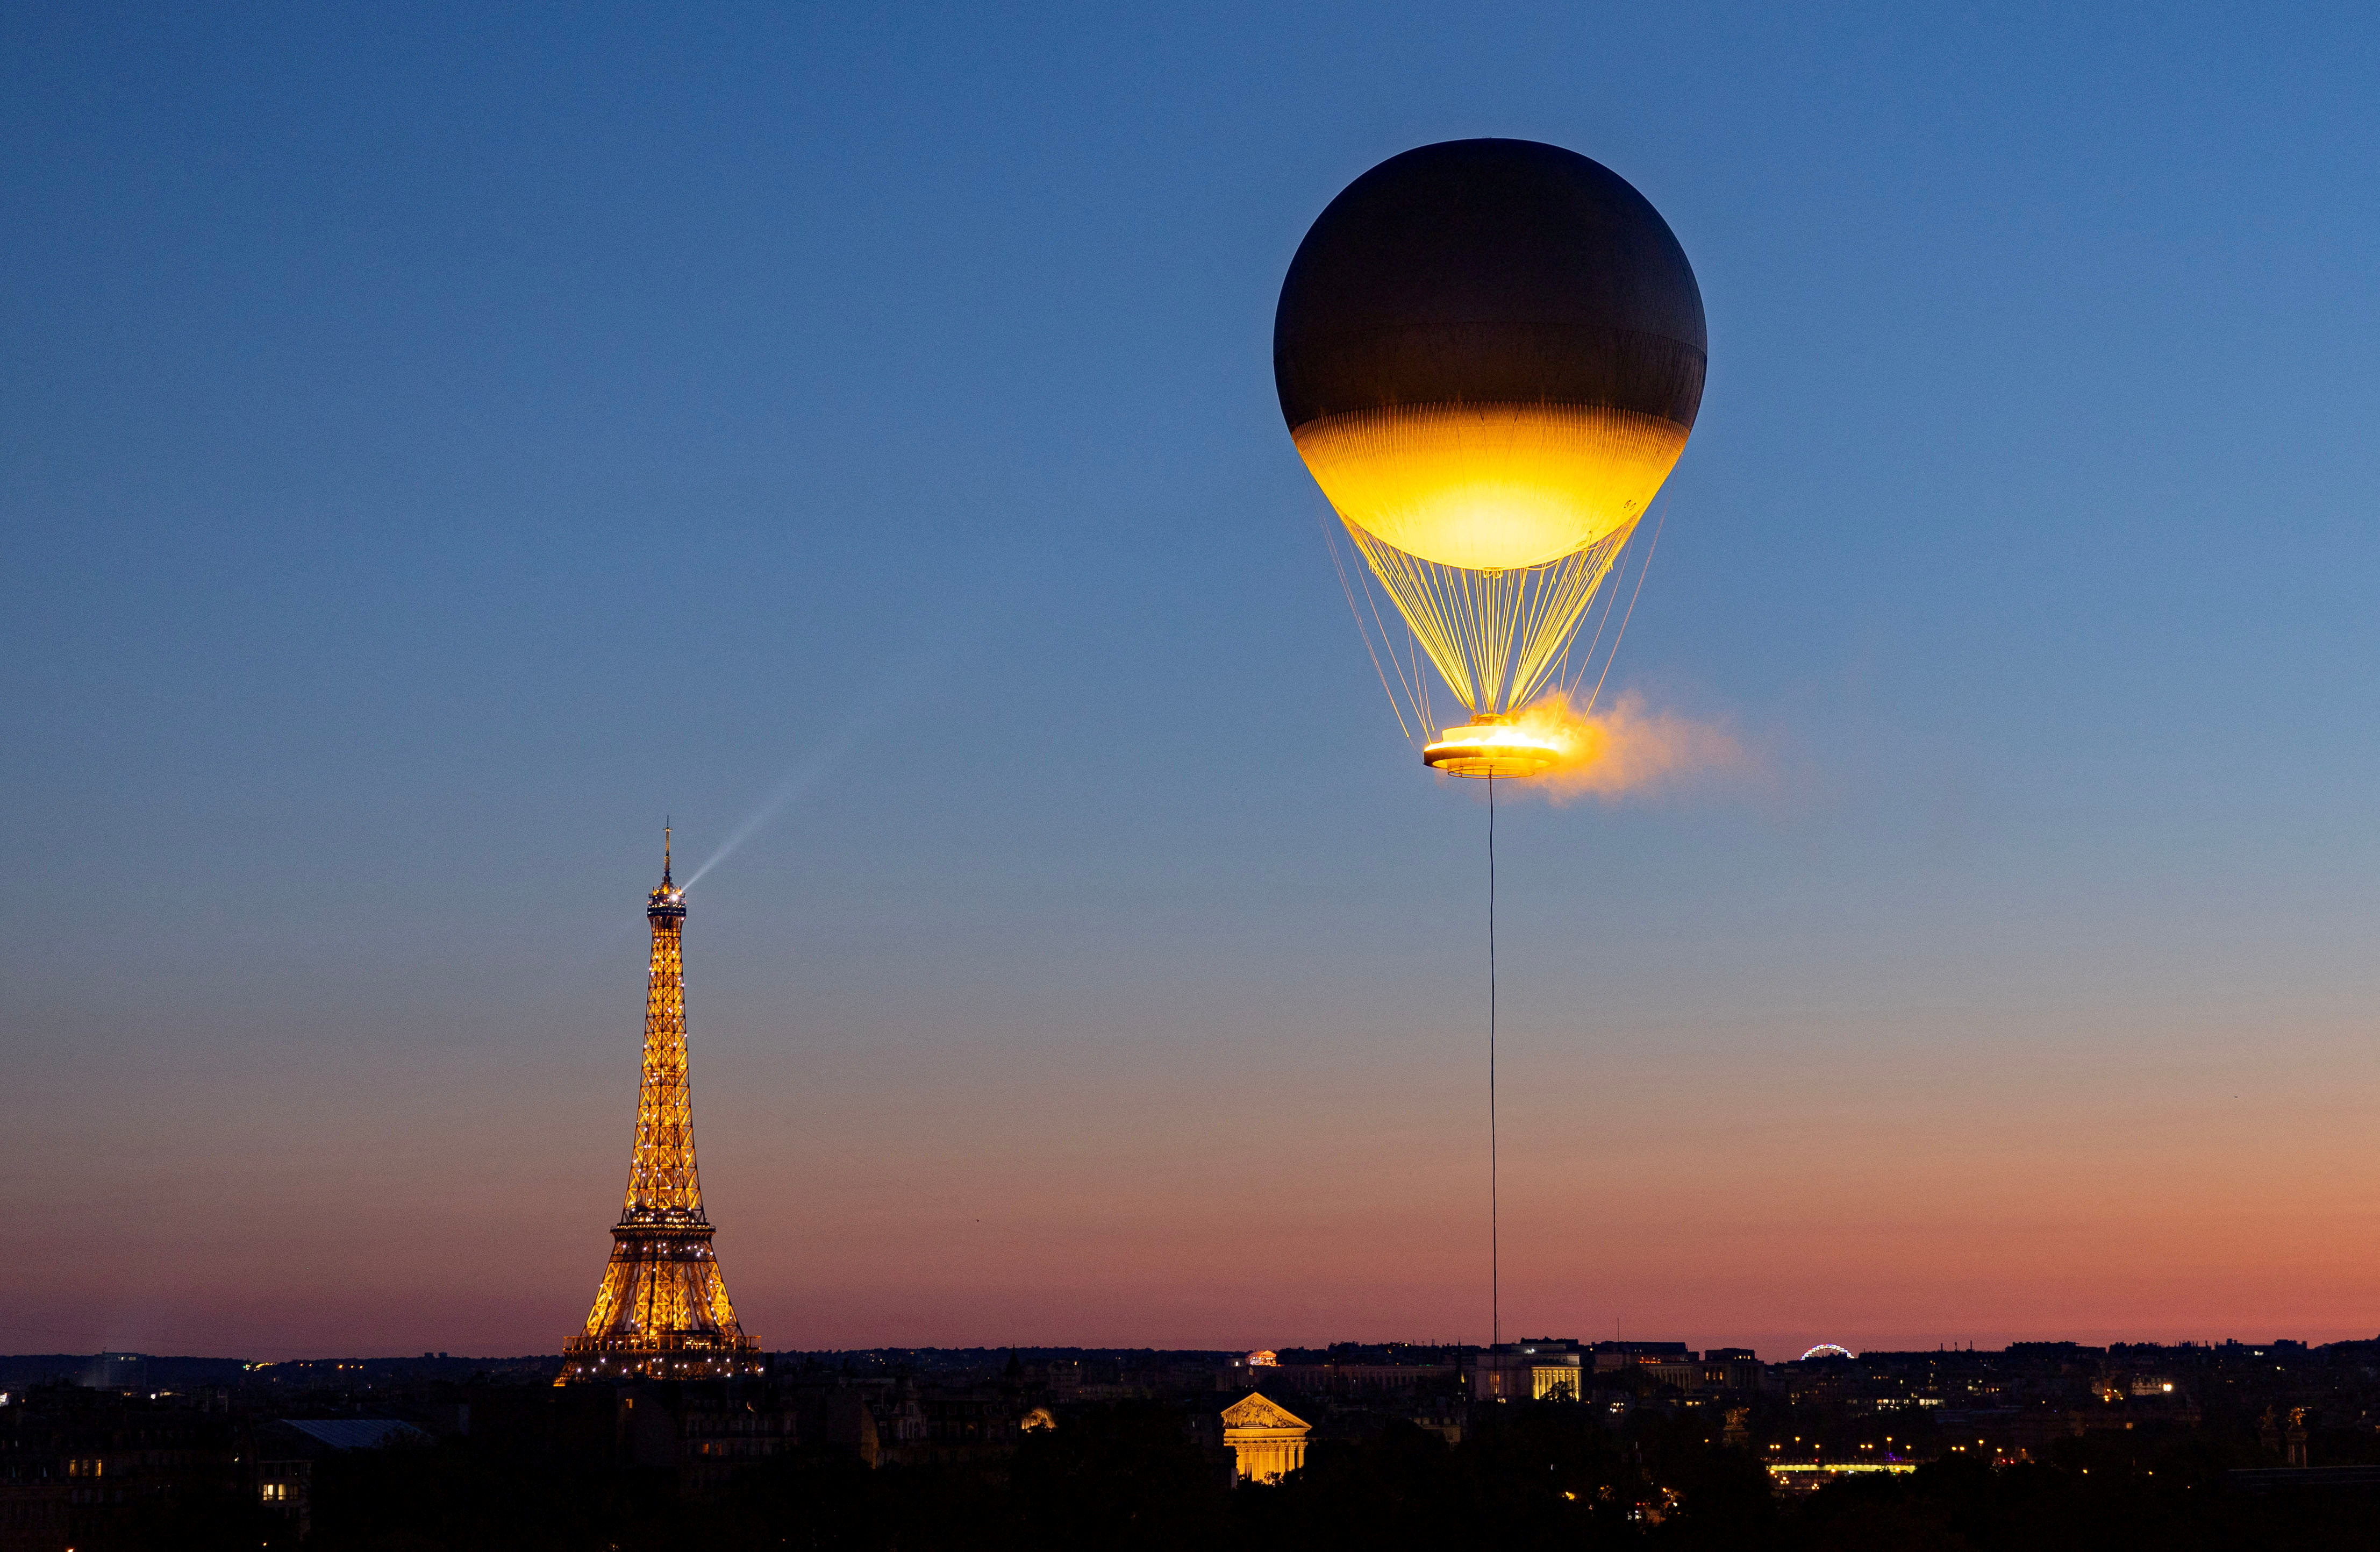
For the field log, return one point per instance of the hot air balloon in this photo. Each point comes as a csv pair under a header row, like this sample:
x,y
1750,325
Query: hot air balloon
x,y
1489,354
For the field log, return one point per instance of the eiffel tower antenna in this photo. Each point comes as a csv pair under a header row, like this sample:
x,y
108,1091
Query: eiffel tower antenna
x,y
662,1310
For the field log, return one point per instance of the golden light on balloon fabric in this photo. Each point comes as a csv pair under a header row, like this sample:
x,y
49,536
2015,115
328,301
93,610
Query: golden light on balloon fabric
x,y
1490,486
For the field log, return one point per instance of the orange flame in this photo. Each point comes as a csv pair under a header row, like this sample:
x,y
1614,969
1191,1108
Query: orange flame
x,y
1626,749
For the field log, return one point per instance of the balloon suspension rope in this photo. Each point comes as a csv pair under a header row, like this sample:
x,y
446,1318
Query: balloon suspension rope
x,y
1495,1268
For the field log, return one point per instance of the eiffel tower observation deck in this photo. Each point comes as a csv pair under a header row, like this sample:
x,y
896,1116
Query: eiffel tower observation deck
x,y
663,1312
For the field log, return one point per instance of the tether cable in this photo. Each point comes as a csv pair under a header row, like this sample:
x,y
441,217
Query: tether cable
x,y
1494,1267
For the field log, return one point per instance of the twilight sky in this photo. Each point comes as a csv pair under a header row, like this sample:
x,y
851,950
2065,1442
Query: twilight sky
x,y
434,446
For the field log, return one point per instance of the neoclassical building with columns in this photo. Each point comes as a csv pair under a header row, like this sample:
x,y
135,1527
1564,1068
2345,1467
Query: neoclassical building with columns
x,y
1267,1438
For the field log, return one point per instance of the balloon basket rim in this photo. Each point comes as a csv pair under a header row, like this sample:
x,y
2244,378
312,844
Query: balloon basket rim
x,y
1491,746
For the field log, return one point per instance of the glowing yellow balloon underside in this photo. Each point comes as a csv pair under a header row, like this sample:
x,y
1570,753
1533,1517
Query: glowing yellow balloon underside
x,y
1490,486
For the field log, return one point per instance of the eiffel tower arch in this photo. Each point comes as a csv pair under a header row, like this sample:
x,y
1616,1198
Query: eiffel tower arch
x,y
663,1310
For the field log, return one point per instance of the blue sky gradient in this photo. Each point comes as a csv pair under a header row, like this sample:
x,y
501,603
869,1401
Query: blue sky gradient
x,y
435,445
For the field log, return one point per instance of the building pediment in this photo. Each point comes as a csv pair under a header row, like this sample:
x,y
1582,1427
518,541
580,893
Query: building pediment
x,y
1256,1411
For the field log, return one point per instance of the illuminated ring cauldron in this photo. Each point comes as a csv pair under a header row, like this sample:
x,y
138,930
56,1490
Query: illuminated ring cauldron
x,y
1492,746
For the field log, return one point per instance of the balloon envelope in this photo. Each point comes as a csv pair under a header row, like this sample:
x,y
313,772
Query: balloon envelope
x,y
1490,353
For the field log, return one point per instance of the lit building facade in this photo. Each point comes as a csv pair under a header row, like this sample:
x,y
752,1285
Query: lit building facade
x,y
1537,1371
1266,1440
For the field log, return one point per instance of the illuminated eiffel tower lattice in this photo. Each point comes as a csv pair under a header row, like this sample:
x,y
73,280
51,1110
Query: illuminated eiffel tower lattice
x,y
663,1312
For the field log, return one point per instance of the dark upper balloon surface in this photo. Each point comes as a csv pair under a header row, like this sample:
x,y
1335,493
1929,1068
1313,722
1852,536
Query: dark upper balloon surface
x,y
1489,271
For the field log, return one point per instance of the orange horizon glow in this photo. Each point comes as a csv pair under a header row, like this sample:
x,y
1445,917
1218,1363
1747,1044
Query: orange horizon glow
x,y
1795,1190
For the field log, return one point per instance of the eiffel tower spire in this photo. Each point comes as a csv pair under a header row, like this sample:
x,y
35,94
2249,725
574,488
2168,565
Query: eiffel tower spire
x,y
662,1309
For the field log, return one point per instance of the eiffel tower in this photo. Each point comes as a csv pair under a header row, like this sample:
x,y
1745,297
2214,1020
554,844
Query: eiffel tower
x,y
663,1310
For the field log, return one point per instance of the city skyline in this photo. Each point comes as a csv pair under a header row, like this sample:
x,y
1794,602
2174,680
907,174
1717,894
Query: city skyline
x,y
442,446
